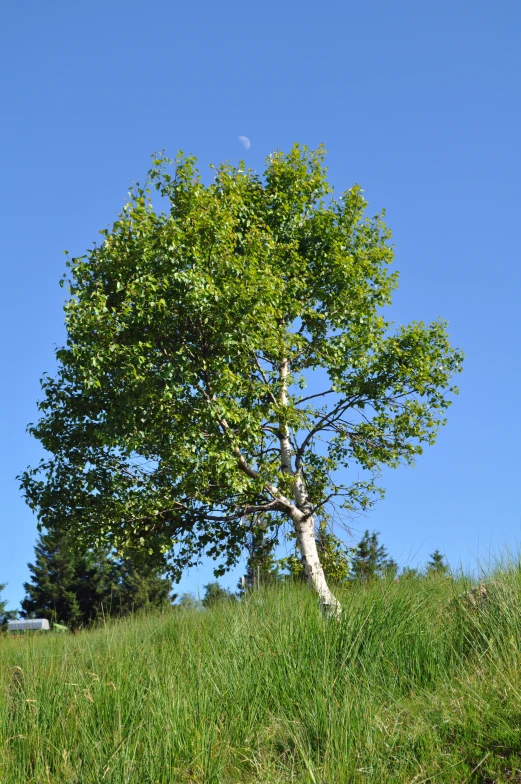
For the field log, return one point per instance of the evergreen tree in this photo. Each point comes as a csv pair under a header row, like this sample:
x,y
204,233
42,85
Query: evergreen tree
x,y
60,587
215,594
77,588
2,602
371,559
141,588
437,564
5,615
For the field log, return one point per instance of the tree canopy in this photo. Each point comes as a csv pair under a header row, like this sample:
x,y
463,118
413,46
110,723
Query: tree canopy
x,y
214,593
179,408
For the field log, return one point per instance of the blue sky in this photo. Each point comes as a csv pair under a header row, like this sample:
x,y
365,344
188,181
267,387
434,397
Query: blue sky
x,y
418,102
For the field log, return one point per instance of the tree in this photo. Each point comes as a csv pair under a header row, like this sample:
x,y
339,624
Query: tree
x,y
141,588
62,588
371,559
187,601
216,594
437,563
5,615
178,407
335,557
75,588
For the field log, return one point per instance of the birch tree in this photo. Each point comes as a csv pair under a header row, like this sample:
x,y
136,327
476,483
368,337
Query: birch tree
x,y
228,355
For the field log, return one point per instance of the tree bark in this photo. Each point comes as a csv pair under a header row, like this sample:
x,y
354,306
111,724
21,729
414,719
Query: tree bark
x,y
304,522
285,444
315,577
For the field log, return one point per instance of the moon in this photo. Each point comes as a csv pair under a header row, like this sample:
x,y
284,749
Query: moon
x,y
245,142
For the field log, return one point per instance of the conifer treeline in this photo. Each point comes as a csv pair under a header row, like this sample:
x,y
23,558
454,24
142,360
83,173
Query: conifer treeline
x,y
366,561
76,589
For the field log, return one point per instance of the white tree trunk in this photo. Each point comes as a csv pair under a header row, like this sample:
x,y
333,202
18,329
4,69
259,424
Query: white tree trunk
x,y
285,444
305,530
303,521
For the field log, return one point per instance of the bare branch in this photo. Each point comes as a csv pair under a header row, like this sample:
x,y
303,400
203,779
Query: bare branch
x,y
268,388
271,506
310,397
327,418
273,430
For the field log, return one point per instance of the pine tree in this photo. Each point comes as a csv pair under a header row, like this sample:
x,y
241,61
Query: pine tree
x,y
142,588
2,602
60,588
437,563
77,588
409,573
371,559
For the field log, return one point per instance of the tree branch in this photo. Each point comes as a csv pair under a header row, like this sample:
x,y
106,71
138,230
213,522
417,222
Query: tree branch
x,y
310,397
338,409
261,371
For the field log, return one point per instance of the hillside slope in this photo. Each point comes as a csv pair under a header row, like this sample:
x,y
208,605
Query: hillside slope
x,y
415,684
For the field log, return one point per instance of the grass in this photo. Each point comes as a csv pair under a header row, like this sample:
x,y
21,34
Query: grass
x,y
413,685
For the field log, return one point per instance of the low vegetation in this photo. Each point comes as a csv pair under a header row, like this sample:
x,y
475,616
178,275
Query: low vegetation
x,y
420,681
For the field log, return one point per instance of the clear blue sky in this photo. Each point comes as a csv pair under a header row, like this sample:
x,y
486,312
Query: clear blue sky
x,y
418,102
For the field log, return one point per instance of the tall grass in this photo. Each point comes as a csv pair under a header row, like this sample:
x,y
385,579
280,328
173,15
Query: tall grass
x,y
413,685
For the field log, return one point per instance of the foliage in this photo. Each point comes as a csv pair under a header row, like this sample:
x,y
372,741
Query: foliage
x,y
141,588
261,566
371,559
65,586
335,557
5,615
214,594
437,564
178,407
75,588
408,573
186,601
410,684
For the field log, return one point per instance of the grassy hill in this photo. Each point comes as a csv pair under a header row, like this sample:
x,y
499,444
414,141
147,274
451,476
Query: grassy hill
x,y
413,685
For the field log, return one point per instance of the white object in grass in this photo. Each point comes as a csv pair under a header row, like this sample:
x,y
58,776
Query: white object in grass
x,y
32,624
